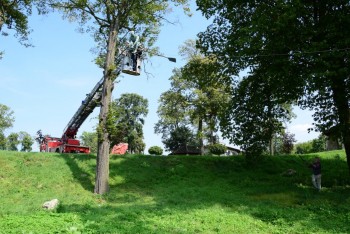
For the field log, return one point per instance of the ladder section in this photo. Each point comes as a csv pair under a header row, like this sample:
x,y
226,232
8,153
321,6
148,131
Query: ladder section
x,y
86,108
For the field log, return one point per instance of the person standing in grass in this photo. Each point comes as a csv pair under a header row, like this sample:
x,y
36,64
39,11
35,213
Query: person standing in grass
x,y
316,173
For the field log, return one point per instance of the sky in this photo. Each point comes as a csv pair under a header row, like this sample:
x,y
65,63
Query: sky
x,y
45,84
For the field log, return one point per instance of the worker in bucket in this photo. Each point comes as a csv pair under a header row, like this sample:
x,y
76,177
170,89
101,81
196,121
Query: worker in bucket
x,y
133,46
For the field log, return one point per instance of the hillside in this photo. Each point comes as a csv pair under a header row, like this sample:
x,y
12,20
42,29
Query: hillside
x,y
174,194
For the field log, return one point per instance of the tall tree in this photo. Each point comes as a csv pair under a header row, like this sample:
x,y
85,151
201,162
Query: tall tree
x,y
107,20
26,141
13,141
173,108
207,94
303,45
127,119
6,117
3,141
196,97
253,116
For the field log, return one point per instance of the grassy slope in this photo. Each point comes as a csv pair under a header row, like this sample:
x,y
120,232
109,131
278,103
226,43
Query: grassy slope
x,y
177,194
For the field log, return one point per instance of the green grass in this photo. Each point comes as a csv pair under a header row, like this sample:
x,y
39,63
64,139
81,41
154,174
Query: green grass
x,y
175,194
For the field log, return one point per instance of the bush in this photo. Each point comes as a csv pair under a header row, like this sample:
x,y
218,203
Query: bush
x,y
156,150
217,149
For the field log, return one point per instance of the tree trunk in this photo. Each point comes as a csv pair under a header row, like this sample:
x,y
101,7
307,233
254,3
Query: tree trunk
x,y
102,164
341,103
271,145
200,135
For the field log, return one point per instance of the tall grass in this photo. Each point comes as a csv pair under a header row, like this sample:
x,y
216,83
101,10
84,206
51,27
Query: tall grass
x,y
175,194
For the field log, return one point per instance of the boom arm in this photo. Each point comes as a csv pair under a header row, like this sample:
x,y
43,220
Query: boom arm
x,y
87,107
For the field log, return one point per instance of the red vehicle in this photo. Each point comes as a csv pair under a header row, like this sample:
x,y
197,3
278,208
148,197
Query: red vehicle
x,y
58,145
68,142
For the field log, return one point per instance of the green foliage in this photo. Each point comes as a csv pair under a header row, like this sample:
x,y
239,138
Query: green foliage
x,y
155,150
3,141
6,117
288,142
13,141
196,98
26,141
179,194
311,68
173,109
319,144
126,121
217,149
14,15
313,146
180,137
304,148
89,139
255,115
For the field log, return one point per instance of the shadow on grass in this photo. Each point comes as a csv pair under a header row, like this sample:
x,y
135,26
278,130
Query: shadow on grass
x,y
148,194
82,167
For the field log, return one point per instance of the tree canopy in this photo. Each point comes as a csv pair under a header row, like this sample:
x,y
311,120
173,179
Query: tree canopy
x,y
302,45
196,98
14,15
26,141
126,121
6,117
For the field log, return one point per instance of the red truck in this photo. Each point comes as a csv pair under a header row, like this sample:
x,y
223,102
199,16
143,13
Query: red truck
x,y
68,142
58,145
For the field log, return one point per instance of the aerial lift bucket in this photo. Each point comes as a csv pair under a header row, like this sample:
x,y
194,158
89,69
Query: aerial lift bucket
x,y
128,67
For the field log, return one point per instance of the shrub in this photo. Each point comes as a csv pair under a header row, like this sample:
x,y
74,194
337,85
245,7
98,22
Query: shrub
x,y
217,149
156,150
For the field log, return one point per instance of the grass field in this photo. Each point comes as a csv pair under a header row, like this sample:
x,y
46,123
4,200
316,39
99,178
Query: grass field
x,y
174,194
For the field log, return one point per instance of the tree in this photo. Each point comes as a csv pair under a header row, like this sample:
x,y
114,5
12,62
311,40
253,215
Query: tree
x,y
26,141
255,115
288,142
173,108
13,141
196,97
207,94
6,117
108,19
319,144
14,14
179,138
89,139
311,68
126,121
3,141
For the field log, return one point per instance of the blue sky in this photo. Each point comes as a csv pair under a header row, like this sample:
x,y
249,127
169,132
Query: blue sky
x,y
44,85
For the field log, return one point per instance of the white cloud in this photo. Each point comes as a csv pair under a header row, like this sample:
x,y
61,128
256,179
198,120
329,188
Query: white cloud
x,y
301,132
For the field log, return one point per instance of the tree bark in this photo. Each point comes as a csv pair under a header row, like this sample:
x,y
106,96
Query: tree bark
x,y
341,103
102,163
271,145
200,134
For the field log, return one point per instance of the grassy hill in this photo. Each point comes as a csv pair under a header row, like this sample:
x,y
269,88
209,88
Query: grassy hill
x,y
175,194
